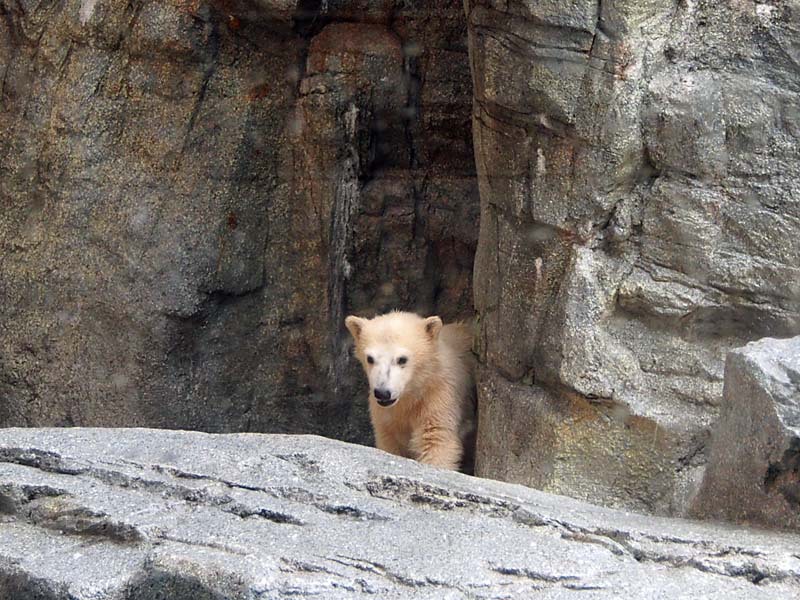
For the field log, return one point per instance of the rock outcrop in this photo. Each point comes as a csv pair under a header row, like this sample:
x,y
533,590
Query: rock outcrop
x,y
639,182
141,514
194,193
754,470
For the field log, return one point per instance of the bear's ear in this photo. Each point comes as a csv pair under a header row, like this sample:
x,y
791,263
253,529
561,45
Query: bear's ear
x,y
433,325
355,325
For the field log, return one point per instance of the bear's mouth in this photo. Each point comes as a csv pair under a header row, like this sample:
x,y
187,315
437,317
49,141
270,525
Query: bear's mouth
x,y
386,403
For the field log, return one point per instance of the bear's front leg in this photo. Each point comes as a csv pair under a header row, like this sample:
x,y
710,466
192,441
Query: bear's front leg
x,y
439,446
387,442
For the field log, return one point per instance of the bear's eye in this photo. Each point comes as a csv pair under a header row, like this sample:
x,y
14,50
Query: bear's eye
x,y
402,360
370,360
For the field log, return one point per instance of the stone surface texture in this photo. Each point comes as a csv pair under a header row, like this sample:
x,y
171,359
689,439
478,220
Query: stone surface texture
x,y
90,514
754,470
639,178
195,193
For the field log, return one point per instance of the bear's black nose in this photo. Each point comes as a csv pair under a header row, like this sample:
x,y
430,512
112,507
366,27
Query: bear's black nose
x,y
382,394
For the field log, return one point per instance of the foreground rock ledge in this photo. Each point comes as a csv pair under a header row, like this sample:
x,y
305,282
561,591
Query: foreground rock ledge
x,y
139,514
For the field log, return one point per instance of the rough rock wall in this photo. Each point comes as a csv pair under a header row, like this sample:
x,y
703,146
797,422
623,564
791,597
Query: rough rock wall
x,y
640,216
185,185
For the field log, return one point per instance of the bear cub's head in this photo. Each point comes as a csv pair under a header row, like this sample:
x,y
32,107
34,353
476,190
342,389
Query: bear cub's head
x,y
397,351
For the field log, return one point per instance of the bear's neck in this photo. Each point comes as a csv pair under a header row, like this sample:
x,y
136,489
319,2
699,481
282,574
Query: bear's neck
x,y
435,377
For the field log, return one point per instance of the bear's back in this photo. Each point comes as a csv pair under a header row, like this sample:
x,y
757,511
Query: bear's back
x,y
457,337
459,364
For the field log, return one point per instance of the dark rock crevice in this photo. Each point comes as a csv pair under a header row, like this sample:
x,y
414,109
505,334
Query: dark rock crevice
x,y
783,476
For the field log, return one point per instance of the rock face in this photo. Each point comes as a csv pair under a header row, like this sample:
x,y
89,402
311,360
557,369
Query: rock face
x,y
142,514
639,181
754,471
195,193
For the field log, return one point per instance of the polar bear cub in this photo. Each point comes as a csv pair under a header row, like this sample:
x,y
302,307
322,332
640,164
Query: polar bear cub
x,y
422,393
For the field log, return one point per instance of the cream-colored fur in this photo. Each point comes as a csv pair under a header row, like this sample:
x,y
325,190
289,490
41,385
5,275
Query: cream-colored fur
x,y
433,416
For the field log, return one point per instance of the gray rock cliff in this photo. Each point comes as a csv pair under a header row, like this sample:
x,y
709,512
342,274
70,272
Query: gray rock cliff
x,y
640,217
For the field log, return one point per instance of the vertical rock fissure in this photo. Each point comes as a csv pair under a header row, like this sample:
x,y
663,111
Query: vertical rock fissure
x,y
345,207
213,58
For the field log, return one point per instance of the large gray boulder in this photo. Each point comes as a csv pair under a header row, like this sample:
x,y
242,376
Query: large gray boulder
x,y
639,178
194,193
754,470
89,514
